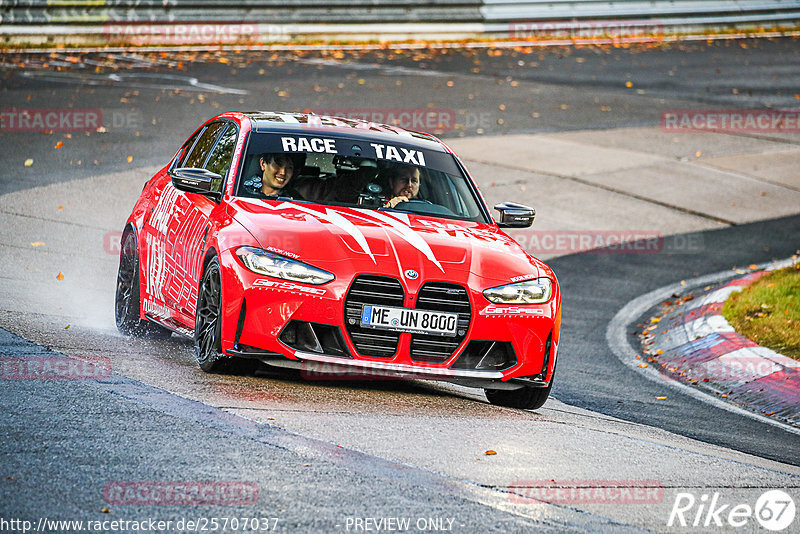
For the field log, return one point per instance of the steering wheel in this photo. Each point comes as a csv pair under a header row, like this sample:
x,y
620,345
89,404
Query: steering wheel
x,y
423,207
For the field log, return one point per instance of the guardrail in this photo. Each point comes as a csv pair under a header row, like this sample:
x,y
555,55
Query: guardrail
x,y
506,10
211,22
257,11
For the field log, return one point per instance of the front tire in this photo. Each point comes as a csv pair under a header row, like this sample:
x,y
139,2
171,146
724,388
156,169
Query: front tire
x,y
207,323
208,328
127,301
525,398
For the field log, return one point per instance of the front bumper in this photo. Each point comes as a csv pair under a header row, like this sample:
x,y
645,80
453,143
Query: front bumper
x,y
314,366
258,309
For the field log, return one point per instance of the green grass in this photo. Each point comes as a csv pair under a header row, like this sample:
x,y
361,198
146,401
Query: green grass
x,y
768,311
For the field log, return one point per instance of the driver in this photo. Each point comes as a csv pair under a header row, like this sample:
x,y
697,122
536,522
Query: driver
x,y
403,184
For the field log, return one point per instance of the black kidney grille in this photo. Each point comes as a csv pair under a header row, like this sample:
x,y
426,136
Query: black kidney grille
x,y
372,289
441,296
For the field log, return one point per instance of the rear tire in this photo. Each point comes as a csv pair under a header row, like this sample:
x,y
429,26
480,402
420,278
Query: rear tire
x,y
127,302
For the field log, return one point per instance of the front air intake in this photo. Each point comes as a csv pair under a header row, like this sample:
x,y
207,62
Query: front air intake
x,y
314,337
441,296
486,356
376,290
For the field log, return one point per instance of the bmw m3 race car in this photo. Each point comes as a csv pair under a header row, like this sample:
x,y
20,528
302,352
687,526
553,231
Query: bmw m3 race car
x,y
337,245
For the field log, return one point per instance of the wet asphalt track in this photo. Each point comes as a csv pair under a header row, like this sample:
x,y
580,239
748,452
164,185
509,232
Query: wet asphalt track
x,y
90,434
160,433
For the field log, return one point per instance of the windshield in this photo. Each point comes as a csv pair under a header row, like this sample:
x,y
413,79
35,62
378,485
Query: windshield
x,y
333,169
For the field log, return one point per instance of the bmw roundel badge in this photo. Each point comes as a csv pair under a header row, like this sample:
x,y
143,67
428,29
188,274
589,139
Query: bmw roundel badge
x,y
411,274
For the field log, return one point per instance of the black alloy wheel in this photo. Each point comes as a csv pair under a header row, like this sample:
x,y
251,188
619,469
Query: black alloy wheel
x,y
208,329
127,302
207,325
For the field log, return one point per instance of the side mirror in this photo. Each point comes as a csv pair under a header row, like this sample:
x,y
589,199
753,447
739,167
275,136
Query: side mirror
x,y
193,180
514,215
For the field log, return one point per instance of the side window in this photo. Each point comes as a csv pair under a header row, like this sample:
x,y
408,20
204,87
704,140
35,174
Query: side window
x,y
219,161
187,146
203,146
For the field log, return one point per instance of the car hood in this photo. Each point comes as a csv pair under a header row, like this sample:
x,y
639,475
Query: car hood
x,y
340,239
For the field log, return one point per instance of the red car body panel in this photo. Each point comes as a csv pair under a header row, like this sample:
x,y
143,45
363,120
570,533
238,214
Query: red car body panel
x,y
178,231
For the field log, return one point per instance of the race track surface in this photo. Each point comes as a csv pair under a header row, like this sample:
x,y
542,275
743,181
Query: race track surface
x,y
325,454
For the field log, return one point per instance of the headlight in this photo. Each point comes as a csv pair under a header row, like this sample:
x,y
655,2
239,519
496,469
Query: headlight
x,y
262,262
534,291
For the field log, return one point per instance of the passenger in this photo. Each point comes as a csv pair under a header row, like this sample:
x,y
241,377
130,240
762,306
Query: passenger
x,y
278,170
403,185
281,175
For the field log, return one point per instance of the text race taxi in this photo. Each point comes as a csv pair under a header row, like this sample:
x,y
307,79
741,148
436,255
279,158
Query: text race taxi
x,y
341,246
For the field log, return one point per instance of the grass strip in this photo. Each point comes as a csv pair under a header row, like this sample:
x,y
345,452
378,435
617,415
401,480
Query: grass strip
x,y
768,311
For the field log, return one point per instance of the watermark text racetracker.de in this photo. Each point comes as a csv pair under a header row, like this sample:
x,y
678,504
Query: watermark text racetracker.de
x,y
536,242
183,524
181,493
433,120
66,120
730,120
539,242
311,370
585,30
55,368
163,33
586,491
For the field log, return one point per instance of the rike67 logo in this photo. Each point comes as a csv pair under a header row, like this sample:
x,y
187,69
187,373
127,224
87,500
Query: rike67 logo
x,y
774,510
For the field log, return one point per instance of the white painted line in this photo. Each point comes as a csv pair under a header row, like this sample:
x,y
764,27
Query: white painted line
x,y
720,295
692,331
705,325
140,80
388,69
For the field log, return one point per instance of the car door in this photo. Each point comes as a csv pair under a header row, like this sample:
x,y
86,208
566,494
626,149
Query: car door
x,y
194,212
176,220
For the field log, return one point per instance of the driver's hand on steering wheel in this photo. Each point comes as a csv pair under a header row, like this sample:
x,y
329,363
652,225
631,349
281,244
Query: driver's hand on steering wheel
x,y
395,201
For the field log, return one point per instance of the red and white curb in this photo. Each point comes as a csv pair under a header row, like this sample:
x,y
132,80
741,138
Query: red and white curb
x,y
692,342
775,393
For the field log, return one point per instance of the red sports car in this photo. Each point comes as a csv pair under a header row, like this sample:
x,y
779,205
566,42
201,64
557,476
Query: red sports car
x,y
337,245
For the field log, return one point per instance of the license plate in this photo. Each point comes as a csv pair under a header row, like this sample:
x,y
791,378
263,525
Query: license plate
x,y
405,320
